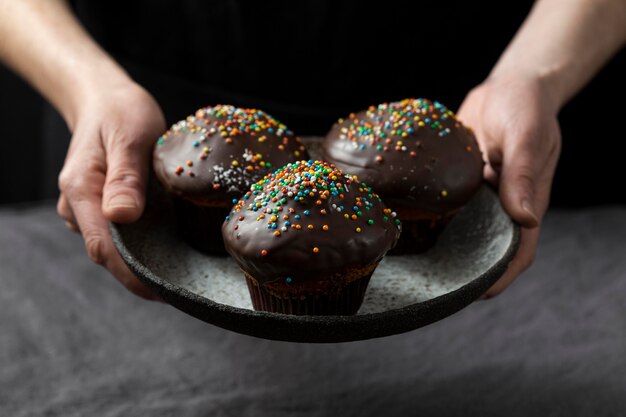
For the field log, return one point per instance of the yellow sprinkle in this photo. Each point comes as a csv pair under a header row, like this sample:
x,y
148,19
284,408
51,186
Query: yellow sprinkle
x,y
235,163
358,230
444,193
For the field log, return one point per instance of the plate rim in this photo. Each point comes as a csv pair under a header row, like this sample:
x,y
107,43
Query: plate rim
x,y
178,297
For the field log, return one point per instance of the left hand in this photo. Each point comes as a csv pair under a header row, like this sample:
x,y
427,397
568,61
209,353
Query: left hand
x,y
515,121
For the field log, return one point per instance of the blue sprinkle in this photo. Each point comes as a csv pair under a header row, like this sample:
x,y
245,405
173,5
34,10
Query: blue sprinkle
x,y
196,144
227,218
234,201
297,217
307,212
288,280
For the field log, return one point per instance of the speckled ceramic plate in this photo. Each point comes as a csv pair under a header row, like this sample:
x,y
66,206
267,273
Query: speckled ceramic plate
x,y
405,292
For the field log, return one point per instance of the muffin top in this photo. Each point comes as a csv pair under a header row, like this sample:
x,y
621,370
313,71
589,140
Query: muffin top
x,y
308,218
414,152
217,153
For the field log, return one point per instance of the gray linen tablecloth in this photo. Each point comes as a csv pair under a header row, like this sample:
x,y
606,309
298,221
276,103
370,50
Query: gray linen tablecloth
x,y
74,343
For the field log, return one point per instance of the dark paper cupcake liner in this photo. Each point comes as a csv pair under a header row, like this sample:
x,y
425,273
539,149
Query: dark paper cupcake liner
x,y
419,235
343,301
201,226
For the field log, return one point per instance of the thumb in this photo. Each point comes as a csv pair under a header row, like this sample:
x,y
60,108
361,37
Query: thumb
x,y
521,169
123,196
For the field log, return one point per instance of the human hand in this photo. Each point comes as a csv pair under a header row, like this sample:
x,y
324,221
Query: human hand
x,y
106,169
515,121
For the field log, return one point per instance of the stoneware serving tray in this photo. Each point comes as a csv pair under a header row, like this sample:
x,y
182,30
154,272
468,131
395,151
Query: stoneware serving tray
x,y
405,292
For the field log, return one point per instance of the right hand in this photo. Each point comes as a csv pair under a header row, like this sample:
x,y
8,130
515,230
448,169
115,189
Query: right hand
x,y
106,170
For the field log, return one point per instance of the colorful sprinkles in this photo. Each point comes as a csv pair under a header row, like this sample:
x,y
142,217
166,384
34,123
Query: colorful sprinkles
x,y
308,184
387,125
231,123
394,127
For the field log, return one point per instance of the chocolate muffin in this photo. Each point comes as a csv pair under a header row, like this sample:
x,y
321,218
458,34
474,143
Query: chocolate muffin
x,y
308,238
424,163
209,160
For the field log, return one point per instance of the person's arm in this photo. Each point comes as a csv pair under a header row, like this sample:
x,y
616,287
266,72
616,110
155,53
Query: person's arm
x,y
558,49
113,121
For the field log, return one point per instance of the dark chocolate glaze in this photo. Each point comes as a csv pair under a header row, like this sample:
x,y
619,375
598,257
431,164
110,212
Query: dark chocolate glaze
x,y
217,153
414,153
292,253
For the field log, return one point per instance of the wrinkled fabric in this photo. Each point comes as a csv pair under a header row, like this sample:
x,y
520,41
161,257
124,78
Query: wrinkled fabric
x,y
73,342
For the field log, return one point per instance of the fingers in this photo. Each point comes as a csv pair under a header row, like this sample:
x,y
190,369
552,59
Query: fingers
x,y
81,203
127,171
523,259
523,166
99,245
65,212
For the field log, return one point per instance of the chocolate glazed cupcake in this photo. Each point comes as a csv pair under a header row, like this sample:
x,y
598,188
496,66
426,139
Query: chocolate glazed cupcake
x,y
424,163
209,160
308,238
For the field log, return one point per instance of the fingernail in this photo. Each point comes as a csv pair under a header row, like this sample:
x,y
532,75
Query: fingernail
x,y
122,201
528,208
71,226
